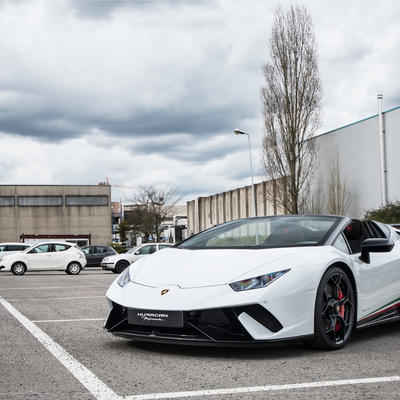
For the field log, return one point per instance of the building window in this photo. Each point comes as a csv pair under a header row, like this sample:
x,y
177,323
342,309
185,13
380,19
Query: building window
x,y
86,200
41,201
7,201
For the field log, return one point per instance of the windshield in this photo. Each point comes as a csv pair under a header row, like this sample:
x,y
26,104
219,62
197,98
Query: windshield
x,y
268,232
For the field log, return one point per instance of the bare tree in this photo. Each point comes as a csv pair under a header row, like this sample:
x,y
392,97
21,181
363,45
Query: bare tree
x,y
291,101
314,200
338,196
157,202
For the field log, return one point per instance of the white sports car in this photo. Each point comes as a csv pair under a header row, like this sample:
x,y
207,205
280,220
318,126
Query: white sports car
x,y
263,280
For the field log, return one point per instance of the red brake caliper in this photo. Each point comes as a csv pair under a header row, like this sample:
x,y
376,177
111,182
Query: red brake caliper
x,y
341,309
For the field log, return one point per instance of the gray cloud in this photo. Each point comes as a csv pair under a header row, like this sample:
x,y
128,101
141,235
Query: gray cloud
x,y
105,8
145,91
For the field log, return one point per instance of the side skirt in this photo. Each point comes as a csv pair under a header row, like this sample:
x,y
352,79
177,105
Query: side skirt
x,y
391,314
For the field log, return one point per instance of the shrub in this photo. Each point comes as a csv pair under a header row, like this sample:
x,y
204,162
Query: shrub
x,y
389,214
117,247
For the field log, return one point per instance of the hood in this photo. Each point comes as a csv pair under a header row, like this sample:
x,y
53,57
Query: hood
x,y
209,267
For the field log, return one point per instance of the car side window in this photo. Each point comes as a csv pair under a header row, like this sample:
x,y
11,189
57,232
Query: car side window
x,y
147,249
44,248
163,246
15,247
61,247
340,243
101,249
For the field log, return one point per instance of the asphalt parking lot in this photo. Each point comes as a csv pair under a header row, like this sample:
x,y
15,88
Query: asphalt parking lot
x,y
52,346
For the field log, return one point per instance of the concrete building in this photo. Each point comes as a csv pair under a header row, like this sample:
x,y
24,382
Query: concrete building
x,y
357,148
76,213
205,212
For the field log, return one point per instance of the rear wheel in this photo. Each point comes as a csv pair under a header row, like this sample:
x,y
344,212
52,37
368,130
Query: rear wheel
x,y
18,268
122,265
334,310
73,268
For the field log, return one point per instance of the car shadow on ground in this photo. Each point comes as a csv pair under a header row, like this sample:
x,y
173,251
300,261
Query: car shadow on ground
x,y
275,351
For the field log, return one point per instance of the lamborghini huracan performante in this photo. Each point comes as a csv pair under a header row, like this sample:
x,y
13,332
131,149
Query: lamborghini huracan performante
x,y
263,280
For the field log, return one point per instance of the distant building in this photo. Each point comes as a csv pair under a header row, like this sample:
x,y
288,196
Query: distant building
x,y
357,148
173,227
76,213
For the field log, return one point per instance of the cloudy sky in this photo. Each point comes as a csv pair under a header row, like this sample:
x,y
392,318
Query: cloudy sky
x,y
150,91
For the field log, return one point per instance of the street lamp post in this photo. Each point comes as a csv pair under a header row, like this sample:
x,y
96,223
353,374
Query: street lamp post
x,y
238,132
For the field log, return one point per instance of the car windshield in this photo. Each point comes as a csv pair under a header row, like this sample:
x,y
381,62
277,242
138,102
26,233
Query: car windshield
x,y
268,232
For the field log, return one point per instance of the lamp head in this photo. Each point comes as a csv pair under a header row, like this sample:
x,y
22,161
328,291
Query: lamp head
x,y
238,132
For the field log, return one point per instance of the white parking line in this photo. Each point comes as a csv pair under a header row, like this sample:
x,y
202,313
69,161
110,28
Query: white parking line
x,y
253,389
69,320
102,392
86,377
57,298
53,287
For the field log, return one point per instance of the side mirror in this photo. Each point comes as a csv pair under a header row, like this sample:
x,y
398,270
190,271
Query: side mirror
x,y
375,246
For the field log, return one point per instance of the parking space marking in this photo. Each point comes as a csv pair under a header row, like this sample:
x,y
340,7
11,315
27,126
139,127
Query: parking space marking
x,y
69,320
270,388
56,298
86,377
53,287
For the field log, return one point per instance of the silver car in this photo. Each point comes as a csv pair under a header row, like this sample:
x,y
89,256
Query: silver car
x,y
119,262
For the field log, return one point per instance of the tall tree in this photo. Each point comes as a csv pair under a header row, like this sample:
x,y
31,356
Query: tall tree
x,y
291,101
156,202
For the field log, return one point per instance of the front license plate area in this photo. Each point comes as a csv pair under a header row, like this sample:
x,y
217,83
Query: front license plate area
x,y
169,319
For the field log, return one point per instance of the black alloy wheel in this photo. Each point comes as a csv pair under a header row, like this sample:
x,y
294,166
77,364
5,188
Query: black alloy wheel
x,y
18,268
121,266
335,310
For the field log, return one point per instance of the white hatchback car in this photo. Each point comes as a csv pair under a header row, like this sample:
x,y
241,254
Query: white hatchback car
x,y
59,256
119,262
12,247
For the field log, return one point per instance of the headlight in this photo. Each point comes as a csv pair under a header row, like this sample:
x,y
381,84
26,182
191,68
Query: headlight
x,y
105,259
258,282
124,278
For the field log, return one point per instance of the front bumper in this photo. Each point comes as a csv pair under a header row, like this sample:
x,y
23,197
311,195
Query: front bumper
x,y
108,266
211,327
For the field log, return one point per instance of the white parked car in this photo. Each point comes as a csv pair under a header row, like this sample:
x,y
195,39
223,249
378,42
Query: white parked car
x,y
12,247
119,262
45,256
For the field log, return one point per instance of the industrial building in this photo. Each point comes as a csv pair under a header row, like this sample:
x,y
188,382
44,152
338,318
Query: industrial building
x,y
371,181
76,213
367,154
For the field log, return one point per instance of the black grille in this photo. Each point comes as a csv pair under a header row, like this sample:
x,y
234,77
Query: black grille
x,y
213,325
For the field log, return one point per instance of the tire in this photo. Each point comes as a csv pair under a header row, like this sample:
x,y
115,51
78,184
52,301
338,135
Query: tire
x,y
335,310
74,268
122,265
18,268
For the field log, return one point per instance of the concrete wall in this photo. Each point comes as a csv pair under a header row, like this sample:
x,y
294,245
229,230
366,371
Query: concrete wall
x,y
358,150
55,220
205,212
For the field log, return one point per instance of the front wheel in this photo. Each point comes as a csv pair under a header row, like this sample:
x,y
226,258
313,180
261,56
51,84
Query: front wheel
x,y
18,268
335,310
121,266
73,268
